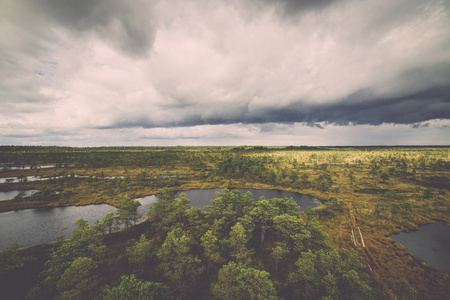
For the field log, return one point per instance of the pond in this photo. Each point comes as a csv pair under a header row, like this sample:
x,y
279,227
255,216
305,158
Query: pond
x,y
8,168
23,179
431,243
11,194
201,198
41,225
40,178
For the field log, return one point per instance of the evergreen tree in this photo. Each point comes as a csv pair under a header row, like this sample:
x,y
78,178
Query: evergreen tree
x,y
132,288
263,213
127,211
211,249
239,239
238,282
140,253
180,267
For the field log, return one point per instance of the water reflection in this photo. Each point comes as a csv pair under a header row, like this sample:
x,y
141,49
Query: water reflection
x,y
40,178
431,243
41,225
9,195
201,198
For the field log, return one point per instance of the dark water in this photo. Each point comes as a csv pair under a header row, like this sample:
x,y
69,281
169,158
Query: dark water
x,y
146,202
11,194
29,179
8,168
431,243
41,225
202,198
40,178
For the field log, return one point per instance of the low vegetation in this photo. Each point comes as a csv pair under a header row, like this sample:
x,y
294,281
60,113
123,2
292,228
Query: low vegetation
x,y
235,248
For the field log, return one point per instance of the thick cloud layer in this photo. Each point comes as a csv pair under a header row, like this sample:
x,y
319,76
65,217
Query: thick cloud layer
x,y
110,65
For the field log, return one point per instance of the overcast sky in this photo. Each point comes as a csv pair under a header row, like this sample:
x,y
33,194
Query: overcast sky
x,y
229,72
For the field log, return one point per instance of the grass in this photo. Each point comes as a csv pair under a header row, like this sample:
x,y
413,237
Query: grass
x,y
350,170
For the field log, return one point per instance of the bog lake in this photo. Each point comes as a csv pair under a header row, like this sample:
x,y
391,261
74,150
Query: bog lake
x,y
41,225
29,227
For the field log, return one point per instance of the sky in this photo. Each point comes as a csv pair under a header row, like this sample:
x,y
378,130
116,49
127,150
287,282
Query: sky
x,y
224,72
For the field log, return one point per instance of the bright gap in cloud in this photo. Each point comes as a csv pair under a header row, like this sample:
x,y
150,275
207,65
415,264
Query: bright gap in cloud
x,y
269,134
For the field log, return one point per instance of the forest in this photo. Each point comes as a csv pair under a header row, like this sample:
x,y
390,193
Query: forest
x,y
234,248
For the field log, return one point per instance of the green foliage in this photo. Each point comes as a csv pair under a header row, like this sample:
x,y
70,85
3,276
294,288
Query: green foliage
x,y
157,212
109,222
46,195
351,177
286,206
229,207
239,239
10,260
210,246
20,195
87,234
317,237
263,214
379,207
247,167
127,211
180,267
139,254
292,231
325,177
278,253
293,175
324,186
270,227
77,278
324,274
257,235
335,204
166,195
132,288
395,207
405,291
67,273
239,282
142,176
384,176
310,212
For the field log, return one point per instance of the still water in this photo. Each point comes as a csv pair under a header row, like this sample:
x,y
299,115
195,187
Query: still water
x,y
11,194
8,168
28,179
40,178
41,225
202,198
431,243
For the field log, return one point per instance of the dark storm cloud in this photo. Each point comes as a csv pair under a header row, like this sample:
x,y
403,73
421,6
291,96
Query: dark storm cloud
x,y
292,7
419,107
129,26
433,103
420,125
269,67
